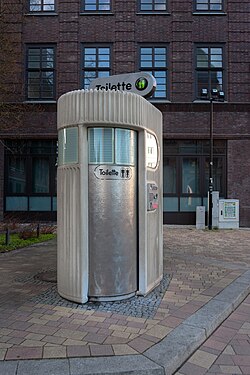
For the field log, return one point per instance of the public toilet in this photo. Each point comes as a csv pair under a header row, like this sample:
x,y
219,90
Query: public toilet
x,y
109,195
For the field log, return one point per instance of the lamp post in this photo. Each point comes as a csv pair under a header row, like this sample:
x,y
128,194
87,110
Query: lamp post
x,y
215,95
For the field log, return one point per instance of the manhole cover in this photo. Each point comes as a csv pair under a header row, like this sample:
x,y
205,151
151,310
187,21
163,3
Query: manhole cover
x,y
48,276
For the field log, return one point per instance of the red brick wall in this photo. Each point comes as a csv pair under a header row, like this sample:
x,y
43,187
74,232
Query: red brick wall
x,y
1,179
239,176
125,29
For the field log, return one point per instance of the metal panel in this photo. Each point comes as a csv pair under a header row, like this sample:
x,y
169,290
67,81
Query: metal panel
x,y
112,231
69,257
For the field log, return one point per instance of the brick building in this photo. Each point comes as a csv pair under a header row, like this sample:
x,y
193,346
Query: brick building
x,y
188,45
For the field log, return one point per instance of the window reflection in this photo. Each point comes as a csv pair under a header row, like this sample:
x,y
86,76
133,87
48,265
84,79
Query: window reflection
x,y
17,175
169,175
190,176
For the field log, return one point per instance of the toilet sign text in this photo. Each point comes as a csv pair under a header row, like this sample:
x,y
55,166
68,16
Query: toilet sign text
x,y
140,83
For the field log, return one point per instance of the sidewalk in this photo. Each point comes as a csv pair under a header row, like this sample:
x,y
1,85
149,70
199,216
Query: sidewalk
x,y
227,351
206,277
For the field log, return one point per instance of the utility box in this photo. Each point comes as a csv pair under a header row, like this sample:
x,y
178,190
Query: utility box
x,y
109,196
200,217
229,214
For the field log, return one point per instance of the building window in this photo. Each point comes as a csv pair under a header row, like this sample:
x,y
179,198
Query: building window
x,y
209,69
96,5
96,63
209,5
68,146
154,61
152,5
30,169
41,73
186,174
41,5
112,146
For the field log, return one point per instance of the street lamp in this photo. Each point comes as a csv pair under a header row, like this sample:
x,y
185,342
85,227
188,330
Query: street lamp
x,y
215,95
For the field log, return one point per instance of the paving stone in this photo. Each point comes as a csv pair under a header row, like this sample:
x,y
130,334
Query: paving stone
x,y
140,345
229,350
23,353
32,343
75,335
176,347
101,350
241,360
78,351
131,364
54,352
210,315
195,266
8,368
203,359
242,347
2,354
225,333
159,331
44,367
235,292
123,349
43,329
245,370
225,359
192,369
230,369
95,338
54,340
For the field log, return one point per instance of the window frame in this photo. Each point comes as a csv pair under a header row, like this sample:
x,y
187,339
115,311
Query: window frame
x,y
29,158
94,69
153,10
97,10
154,69
40,70
209,69
201,153
209,10
42,11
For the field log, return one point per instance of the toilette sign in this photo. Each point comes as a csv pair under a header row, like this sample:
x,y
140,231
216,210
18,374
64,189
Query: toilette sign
x,y
114,172
140,83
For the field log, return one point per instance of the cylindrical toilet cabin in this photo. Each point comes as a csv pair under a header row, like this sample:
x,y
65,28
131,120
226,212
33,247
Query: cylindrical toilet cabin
x,y
109,195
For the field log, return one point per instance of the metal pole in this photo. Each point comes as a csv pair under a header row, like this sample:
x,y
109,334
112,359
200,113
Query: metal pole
x,y
210,191
7,237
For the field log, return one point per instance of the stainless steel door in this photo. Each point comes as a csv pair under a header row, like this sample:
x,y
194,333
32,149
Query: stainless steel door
x,y
113,219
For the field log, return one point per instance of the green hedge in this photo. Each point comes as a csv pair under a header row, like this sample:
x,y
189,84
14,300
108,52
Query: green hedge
x,y
16,242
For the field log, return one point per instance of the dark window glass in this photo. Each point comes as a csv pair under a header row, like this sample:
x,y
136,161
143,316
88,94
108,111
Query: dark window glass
x,y
169,175
96,63
40,175
153,5
209,69
96,5
30,175
154,60
186,172
41,5
209,5
16,175
41,73
190,175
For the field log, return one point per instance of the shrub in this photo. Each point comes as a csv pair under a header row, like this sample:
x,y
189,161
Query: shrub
x,y
27,234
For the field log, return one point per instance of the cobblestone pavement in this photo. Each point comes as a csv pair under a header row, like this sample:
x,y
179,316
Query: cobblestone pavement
x,y
227,351
198,264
